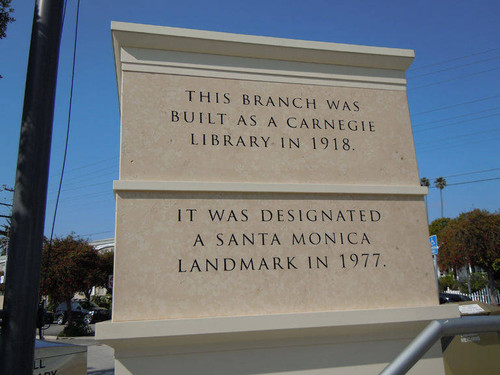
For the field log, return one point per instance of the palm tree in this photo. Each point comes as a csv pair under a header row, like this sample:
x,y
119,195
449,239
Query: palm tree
x,y
440,183
425,182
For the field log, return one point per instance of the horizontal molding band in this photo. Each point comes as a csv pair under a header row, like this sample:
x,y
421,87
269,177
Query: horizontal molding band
x,y
243,187
203,65
271,325
346,81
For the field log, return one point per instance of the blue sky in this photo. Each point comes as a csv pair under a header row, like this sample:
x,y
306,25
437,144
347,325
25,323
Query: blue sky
x,y
453,89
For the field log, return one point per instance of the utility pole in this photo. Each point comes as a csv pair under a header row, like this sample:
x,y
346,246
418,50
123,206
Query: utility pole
x,y
22,278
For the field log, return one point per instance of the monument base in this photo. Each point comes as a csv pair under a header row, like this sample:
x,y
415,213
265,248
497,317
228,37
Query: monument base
x,y
342,342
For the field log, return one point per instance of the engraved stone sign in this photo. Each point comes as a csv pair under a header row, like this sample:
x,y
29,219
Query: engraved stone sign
x,y
260,177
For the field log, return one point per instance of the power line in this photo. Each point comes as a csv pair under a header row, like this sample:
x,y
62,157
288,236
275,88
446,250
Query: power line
x,y
91,234
454,79
455,105
458,136
81,198
94,163
473,182
89,165
466,142
87,186
454,67
469,182
455,123
455,117
453,59
80,181
467,173
69,118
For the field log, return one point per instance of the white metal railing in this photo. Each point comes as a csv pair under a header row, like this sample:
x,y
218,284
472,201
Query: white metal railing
x,y
482,295
433,332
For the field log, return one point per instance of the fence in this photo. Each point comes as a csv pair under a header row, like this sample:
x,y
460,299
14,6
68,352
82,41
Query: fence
x,y
482,295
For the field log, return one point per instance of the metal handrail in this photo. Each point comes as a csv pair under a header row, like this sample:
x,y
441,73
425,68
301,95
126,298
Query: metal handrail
x,y
433,332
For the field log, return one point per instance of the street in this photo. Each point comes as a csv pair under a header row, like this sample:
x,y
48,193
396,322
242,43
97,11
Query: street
x,y
100,358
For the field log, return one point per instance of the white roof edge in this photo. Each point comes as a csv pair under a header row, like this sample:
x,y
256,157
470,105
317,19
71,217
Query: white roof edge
x,y
170,38
253,39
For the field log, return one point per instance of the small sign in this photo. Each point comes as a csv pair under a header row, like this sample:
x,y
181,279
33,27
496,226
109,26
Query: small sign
x,y
110,281
471,309
434,244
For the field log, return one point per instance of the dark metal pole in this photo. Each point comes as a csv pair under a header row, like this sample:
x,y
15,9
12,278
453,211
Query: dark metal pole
x,y
22,278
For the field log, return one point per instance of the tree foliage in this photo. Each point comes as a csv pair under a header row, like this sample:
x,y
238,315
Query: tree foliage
x,y
425,182
477,281
440,183
472,238
452,254
70,265
447,281
436,227
5,228
107,264
6,11
4,237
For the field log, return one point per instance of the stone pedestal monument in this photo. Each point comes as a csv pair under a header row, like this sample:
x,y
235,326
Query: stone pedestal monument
x,y
269,216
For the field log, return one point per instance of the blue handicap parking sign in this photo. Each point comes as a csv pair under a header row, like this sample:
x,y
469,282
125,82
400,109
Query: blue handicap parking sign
x,y
434,244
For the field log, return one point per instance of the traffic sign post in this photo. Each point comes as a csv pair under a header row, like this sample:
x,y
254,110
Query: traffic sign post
x,y
434,250
434,244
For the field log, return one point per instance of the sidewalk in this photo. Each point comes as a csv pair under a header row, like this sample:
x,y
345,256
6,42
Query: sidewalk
x,y
100,357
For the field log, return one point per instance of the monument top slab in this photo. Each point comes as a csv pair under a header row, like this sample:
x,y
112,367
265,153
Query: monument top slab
x,y
228,44
138,36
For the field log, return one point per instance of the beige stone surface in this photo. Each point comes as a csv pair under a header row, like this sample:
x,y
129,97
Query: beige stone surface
x,y
157,147
348,358
343,342
161,263
293,136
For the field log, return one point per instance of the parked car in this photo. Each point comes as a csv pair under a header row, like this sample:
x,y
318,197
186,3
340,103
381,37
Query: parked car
x,y
84,311
450,297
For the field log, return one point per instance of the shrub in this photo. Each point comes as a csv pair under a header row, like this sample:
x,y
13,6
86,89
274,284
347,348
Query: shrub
x,y
102,301
447,281
478,281
76,329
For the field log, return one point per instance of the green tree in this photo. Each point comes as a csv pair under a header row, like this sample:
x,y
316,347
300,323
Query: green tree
x,y
440,183
438,225
100,274
425,182
447,281
473,238
480,234
476,281
107,264
6,11
68,266
452,253
4,237
5,228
